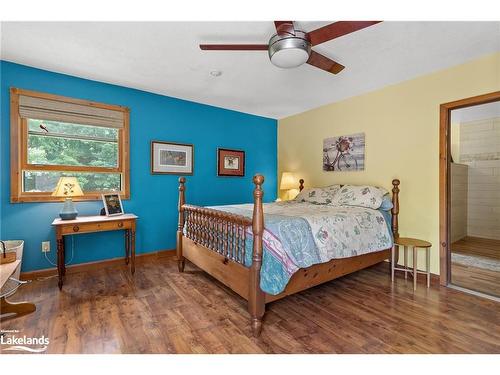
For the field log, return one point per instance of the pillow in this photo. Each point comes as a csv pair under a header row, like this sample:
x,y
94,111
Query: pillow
x,y
332,189
362,196
318,195
386,203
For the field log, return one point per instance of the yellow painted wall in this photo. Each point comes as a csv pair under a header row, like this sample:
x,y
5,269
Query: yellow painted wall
x,y
401,124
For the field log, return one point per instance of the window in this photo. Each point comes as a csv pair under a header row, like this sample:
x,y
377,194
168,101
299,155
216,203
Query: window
x,y
54,136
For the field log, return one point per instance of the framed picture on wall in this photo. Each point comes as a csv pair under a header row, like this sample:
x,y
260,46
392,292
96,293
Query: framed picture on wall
x,y
344,153
171,158
230,162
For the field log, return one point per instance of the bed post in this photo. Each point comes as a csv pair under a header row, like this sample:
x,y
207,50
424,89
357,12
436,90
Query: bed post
x,y
395,221
182,199
395,208
256,305
301,184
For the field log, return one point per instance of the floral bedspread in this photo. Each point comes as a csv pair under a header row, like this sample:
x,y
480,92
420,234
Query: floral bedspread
x,y
300,234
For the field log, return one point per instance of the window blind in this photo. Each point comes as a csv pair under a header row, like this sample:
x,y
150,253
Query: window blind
x,y
55,110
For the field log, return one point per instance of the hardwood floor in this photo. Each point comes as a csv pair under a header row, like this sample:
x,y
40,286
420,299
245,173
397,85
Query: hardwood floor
x,y
162,311
478,279
474,278
477,246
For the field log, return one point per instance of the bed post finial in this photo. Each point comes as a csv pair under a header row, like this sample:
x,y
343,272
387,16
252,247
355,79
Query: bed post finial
x,y
180,227
395,208
301,184
256,306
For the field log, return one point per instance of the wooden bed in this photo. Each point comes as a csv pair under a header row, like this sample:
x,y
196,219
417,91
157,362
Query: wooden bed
x,y
215,242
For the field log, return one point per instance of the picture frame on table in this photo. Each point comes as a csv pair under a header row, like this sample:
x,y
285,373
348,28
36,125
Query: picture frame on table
x,y
172,158
230,162
112,204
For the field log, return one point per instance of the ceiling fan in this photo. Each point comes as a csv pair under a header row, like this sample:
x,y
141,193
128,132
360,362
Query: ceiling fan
x,y
289,47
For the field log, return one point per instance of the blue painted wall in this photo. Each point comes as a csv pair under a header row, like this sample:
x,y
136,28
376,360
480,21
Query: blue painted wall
x,y
153,197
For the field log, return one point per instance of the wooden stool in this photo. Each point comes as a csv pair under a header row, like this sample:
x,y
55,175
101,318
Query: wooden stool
x,y
415,244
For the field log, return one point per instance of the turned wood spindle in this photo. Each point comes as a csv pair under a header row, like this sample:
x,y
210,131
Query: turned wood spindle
x,y
195,229
243,252
395,208
301,184
180,226
209,230
395,217
198,226
256,304
238,251
217,232
233,240
204,230
225,238
220,233
229,239
210,233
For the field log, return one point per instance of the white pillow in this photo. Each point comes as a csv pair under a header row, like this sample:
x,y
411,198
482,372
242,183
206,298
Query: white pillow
x,y
318,195
362,196
332,189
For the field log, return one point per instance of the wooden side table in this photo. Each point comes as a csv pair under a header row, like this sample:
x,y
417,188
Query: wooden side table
x,y
93,224
415,244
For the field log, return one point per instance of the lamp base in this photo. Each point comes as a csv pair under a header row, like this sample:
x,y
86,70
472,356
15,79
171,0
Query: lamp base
x,y
68,211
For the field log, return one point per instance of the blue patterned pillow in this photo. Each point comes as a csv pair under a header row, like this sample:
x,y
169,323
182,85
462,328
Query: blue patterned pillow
x,y
386,203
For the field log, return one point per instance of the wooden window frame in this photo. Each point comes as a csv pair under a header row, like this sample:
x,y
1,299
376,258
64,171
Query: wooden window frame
x,y
19,151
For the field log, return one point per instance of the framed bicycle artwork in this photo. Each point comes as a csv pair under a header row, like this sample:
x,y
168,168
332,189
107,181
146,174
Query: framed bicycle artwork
x,y
344,153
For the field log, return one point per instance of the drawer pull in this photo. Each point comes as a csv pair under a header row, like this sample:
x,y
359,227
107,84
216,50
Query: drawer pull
x,y
76,228
120,225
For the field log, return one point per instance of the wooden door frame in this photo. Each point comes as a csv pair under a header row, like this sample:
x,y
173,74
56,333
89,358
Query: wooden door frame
x,y
444,177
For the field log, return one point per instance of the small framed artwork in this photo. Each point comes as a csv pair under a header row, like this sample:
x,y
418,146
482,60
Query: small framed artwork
x,y
112,204
230,162
171,158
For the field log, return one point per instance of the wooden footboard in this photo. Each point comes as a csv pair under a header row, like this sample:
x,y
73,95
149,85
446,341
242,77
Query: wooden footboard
x,y
215,242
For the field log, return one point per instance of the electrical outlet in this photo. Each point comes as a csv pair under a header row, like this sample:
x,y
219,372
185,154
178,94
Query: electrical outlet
x,y
45,246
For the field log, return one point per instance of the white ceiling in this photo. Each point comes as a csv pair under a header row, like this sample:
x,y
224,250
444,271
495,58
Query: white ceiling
x,y
164,58
476,113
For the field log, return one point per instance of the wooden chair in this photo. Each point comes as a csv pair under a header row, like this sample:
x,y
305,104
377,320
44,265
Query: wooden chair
x,y
8,284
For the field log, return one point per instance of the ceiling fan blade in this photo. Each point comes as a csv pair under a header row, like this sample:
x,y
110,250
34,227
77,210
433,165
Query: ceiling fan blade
x,y
284,27
234,47
323,62
337,29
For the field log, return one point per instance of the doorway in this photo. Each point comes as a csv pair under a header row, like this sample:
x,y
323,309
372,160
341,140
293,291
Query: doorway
x,y
470,194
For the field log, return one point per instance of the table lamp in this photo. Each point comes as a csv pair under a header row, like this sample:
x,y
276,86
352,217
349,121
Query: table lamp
x,y
288,183
68,187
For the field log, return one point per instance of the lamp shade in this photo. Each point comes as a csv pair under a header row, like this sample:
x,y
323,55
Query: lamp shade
x,y
68,187
288,181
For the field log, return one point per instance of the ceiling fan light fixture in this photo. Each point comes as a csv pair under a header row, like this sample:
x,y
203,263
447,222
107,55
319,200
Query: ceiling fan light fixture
x,y
289,51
